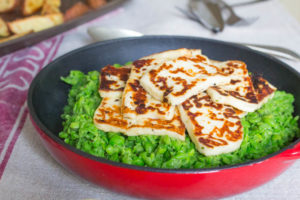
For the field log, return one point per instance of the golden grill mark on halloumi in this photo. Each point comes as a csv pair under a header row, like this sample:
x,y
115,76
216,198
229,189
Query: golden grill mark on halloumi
x,y
176,80
113,80
239,93
263,89
214,128
137,104
108,116
173,128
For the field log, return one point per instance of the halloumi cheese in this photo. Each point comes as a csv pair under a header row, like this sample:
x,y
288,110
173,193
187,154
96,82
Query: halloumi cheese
x,y
263,89
108,116
174,81
113,80
239,93
137,104
173,128
214,128
245,92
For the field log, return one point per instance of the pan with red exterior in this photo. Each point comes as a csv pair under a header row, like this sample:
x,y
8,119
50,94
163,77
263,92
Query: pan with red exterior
x,y
48,95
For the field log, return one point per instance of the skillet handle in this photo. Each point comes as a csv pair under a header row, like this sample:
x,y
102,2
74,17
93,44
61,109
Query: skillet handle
x,y
291,154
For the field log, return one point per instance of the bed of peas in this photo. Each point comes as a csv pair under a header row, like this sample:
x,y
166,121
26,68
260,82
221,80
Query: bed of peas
x,y
265,131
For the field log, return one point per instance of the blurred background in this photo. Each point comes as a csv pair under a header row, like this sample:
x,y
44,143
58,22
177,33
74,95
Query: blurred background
x,y
293,7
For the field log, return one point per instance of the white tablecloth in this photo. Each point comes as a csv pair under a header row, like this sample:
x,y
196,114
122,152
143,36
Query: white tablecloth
x,y
29,172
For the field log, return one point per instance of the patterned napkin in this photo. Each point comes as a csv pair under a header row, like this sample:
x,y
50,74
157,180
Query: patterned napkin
x,y
16,73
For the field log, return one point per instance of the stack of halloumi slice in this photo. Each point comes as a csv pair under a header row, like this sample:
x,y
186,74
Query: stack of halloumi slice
x,y
164,93
109,117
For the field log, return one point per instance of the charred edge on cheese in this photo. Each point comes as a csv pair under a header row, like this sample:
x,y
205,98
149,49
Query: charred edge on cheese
x,y
211,141
122,74
261,86
138,64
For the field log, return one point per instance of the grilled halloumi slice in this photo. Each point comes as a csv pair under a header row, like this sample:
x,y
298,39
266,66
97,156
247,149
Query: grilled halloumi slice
x,y
214,128
175,81
137,104
263,89
108,116
239,93
113,80
173,128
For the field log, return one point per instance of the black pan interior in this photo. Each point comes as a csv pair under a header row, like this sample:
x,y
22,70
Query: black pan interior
x,y
48,95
